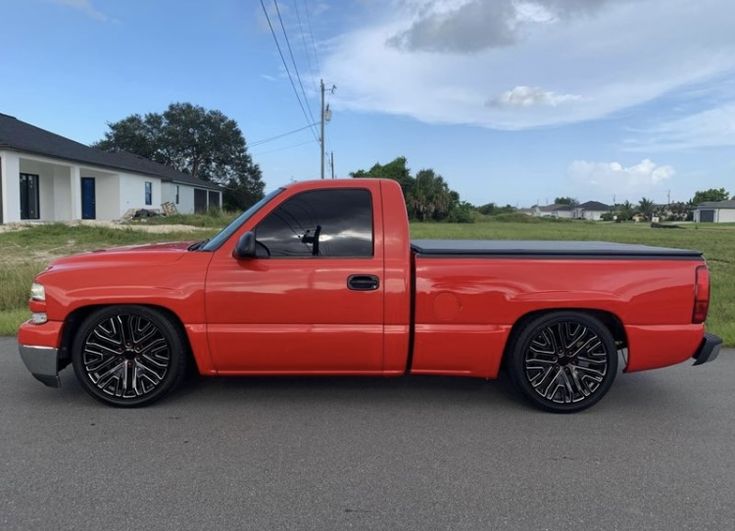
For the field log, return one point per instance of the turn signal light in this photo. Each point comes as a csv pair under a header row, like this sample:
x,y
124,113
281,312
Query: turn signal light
x,y
701,295
38,318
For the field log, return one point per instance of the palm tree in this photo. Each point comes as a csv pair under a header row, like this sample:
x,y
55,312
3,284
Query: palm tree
x,y
646,207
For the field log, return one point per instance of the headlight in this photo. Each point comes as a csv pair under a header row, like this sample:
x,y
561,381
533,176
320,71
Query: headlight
x,y
38,293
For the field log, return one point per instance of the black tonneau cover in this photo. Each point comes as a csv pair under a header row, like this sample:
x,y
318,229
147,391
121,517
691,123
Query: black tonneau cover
x,y
549,248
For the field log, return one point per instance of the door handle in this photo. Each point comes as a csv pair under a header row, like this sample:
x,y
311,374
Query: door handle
x,y
363,282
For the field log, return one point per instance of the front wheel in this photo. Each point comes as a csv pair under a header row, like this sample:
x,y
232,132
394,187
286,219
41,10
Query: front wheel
x,y
563,362
128,356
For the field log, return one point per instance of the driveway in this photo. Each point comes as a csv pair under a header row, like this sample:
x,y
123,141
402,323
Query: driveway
x,y
424,453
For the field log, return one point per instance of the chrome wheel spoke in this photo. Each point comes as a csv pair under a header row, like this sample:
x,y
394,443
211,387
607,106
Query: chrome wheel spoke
x,y
566,362
126,356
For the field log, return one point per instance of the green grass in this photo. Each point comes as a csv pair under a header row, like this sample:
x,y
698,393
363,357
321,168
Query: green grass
x,y
10,320
23,253
214,218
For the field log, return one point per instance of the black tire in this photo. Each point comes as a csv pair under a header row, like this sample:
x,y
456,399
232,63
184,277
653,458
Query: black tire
x,y
563,361
129,356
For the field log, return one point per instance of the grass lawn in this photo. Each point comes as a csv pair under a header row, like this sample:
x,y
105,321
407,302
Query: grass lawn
x,y
24,253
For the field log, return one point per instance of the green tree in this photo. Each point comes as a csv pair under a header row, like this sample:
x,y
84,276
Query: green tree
x,y
428,196
646,207
713,194
203,143
625,211
566,201
395,170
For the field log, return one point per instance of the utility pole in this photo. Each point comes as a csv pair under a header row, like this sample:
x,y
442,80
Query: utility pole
x,y
321,136
326,116
331,162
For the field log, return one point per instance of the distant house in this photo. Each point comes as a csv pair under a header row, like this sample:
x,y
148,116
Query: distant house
x,y
715,212
47,177
591,210
554,211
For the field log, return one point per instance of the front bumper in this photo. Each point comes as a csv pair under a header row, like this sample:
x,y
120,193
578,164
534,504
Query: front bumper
x,y
43,362
708,350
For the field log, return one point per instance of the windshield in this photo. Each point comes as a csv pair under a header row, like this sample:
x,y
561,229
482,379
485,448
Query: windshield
x,y
223,235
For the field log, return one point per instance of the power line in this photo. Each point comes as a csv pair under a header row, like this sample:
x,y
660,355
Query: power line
x,y
309,62
276,137
285,65
293,60
311,34
310,141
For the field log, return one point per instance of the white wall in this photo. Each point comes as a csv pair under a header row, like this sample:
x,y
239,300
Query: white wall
x,y
132,192
186,196
592,215
62,193
10,171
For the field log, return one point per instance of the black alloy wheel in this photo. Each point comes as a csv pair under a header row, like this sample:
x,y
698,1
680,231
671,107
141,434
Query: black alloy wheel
x,y
128,356
564,361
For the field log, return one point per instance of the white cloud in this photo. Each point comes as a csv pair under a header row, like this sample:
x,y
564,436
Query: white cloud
x,y
440,60
709,128
521,96
614,178
86,7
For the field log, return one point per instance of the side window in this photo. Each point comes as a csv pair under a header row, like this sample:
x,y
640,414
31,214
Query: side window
x,y
148,193
320,223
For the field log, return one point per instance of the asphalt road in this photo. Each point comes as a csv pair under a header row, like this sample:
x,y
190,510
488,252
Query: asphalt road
x,y
423,453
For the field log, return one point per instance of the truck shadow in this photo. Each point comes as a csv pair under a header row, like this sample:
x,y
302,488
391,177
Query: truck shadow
x,y
639,391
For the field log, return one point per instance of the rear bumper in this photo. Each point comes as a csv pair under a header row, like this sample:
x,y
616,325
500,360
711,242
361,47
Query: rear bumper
x,y
708,350
42,362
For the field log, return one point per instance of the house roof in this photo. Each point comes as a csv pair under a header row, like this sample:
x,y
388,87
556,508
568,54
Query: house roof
x,y
717,204
554,208
21,136
594,205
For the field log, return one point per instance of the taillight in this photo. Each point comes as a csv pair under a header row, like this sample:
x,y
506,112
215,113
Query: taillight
x,y
701,295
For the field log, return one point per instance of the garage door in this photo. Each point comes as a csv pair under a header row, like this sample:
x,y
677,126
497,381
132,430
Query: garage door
x,y
200,201
707,216
213,200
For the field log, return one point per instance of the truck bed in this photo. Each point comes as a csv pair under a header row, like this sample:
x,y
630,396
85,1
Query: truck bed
x,y
548,248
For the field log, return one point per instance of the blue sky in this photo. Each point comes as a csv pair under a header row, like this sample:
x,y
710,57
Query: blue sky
x,y
512,101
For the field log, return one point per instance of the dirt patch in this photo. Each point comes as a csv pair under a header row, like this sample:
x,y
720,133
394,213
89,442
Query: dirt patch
x,y
154,229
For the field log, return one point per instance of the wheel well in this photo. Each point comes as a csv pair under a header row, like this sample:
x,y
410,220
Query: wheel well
x,y
609,319
74,320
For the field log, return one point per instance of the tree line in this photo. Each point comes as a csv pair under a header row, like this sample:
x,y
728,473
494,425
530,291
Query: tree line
x,y
210,146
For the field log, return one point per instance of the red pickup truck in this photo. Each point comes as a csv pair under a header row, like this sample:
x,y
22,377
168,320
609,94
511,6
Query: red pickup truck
x,y
320,278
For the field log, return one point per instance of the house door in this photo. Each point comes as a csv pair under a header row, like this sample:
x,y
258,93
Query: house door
x,y
89,203
29,202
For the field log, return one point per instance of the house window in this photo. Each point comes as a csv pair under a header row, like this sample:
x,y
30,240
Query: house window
x,y
148,193
177,194
29,201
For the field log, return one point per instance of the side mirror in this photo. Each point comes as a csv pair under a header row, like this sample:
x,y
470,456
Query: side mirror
x,y
245,247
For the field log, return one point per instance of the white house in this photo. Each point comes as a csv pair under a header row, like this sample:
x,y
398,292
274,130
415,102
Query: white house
x,y
715,212
553,211
591,210
47,177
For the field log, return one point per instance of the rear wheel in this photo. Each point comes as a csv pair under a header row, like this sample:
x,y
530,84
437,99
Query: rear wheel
x,y
564,361
128,356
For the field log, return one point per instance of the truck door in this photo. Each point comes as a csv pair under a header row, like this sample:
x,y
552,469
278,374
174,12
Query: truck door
x,y
312,300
